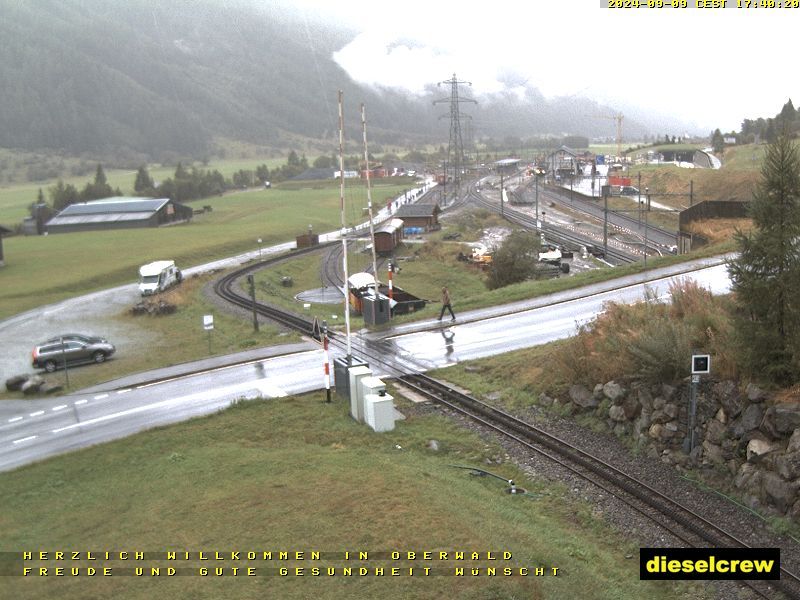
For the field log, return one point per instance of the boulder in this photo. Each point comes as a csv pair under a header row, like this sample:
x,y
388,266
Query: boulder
x,y
14,384
787,417
728,395
777,492
789,465
715,432
642,422
50,388
794,442
667,391
780,420
616,413
631,407
598,392
581,396
659,402
748,480
659,416
32,385
712,454
671,410
752,417
545,400
645,398
655,431
613,391
754,393
721,416
757,449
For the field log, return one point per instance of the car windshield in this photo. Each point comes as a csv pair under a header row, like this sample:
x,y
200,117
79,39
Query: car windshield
x,y
150,279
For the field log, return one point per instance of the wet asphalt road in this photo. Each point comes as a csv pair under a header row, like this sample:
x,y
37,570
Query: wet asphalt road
x,y
33,429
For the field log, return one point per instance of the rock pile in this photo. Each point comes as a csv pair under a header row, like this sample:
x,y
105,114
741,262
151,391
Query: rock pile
x,y
747,436
31,384
147,307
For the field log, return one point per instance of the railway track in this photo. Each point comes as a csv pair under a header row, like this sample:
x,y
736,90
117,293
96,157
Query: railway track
x,y
685,524
570,240
658,236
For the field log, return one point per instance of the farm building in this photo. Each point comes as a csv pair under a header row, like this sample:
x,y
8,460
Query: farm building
x,y
118,213
3,231
388,236
425,216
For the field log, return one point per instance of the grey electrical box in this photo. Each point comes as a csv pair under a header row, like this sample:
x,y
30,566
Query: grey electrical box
x,y
341,378
375,309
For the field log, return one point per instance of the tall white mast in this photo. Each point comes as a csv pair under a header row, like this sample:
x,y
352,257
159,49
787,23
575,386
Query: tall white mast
x,y
369,202
344,229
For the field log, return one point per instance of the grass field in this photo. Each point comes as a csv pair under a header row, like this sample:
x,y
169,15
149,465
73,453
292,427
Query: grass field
x,y
297,474
44,269
15,197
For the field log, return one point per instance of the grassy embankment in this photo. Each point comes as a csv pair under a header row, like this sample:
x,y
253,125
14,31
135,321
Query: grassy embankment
x,y
257,477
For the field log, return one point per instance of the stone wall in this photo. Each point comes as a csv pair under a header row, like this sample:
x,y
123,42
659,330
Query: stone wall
x,y
744,436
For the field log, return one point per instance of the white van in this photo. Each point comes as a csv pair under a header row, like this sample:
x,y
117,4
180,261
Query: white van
x,y
157,276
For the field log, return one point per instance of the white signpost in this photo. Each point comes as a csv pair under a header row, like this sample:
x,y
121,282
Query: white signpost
x,y
208,325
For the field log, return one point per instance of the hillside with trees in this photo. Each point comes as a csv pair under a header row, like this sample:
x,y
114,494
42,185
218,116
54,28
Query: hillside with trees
x,y
133,81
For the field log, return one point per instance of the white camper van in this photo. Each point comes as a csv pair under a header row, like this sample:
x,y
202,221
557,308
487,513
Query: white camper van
x,y
158,276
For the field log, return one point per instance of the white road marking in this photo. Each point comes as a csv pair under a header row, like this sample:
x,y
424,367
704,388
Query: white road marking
x,y
100,397
61,407
81,402
37,413
27,439
15,419
124,391
262,386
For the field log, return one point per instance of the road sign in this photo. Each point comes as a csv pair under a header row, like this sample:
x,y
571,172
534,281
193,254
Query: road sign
x,y
208,322
701,364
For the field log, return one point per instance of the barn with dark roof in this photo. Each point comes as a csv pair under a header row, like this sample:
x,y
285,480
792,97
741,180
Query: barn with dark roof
x,y
419,215
118,213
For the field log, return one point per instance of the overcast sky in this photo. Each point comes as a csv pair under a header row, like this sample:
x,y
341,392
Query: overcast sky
x,y
709,67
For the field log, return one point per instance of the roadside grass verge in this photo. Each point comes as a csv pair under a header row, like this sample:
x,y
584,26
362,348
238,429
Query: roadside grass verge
x,y
296,474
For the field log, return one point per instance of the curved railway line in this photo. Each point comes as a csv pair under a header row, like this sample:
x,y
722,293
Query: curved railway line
x,y
681,521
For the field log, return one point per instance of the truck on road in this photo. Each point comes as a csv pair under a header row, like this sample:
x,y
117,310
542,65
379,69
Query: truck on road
x,y
157,276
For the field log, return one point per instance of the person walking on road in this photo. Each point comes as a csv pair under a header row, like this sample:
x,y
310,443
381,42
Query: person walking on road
x,y
446,304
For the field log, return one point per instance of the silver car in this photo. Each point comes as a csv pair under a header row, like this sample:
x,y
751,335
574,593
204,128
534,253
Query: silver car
x,y
71,349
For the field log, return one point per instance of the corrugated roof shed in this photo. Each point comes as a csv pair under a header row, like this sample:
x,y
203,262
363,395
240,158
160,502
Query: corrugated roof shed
x,y
417,210
118,212
114,205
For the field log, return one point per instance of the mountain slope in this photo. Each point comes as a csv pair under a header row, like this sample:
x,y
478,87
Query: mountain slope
x,y
144,78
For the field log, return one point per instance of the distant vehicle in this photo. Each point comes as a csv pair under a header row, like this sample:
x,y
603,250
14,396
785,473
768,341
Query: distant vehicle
x,y
157,276
628,190
267,185
52,355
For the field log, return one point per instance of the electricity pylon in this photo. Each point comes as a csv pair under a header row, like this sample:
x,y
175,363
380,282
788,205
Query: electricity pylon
x,y
455,148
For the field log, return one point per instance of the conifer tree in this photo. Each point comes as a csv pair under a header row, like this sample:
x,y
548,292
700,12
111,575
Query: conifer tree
x,y
144,183
766,274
